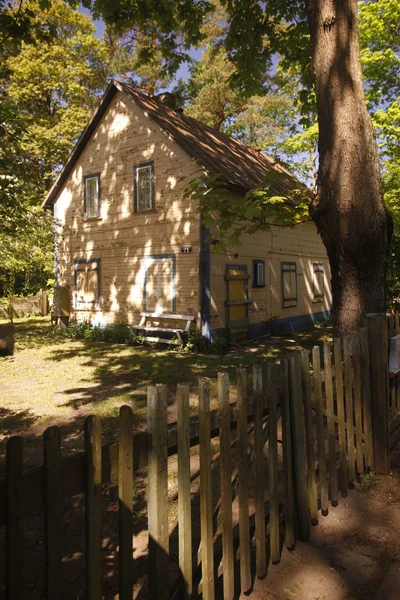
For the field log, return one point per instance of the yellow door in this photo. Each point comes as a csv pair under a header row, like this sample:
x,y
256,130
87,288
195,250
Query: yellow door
x,y
237,293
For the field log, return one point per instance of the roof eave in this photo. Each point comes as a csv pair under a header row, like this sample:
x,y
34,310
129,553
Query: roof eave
x,y
80,145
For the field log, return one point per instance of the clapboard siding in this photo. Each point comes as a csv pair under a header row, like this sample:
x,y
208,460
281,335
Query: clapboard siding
x,y
121,238
300,244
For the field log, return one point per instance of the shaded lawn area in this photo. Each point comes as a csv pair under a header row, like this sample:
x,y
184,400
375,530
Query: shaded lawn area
x,y
52,380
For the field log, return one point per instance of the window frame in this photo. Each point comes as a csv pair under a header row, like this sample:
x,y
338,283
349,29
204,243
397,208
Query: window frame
x,y
136,169
82,261
288,302
256,262
147,261
320,269
86,178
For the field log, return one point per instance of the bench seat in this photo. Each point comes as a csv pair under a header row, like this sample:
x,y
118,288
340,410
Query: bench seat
x,y
176,331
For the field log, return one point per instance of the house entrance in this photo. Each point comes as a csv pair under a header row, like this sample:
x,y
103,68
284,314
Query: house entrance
x,y
237,296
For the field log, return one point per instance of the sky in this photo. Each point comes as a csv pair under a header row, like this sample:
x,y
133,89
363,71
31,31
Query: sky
x,y
183,71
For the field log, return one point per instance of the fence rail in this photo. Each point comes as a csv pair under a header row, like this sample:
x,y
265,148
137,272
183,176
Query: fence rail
x,y
286,451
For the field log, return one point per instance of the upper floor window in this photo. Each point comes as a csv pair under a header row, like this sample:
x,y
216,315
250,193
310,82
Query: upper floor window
x,y
258,273
144,187
289,283
318,282
92,196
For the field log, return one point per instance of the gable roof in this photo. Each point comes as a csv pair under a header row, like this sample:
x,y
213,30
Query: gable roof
x,y
219,154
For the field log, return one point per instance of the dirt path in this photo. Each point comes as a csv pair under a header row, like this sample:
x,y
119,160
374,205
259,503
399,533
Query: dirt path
x,y
351,554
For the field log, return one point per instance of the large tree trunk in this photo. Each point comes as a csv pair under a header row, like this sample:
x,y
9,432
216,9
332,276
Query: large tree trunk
x,y
348,210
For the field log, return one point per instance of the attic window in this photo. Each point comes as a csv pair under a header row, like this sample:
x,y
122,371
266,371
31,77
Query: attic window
x,y
144,187
92,196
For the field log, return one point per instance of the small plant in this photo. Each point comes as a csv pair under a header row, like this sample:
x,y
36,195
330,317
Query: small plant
x,y
196,342
367,481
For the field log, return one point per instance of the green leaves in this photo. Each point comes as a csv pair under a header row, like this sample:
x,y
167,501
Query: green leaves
x,y
229,214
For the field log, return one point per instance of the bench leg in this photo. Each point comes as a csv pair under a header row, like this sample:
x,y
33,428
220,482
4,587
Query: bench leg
x,y
178,333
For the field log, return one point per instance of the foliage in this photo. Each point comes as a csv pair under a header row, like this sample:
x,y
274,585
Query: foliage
x,y
126,51
260,208
197,343
53,74
113,334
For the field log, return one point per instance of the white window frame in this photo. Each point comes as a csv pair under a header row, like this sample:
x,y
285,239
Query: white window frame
x,y
87,178
137,169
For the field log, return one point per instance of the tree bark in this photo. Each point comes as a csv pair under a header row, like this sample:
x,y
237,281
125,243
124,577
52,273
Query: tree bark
x,y
348,209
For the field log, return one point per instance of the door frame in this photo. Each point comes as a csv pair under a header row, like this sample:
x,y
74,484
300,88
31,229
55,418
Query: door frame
x,y
242,322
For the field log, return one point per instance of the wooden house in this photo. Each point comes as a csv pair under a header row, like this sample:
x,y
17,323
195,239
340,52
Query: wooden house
x,y
128,241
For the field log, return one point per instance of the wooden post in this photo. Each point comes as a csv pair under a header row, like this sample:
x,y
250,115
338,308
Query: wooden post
x,y
357,402
125,502
158,493
299,450
288,490
243,480
14,520
206,511
331,424
312,487
366,399
93,508
184,498
261,559
226,486
344,479
273,467
323,482
52,510
348,384
378,352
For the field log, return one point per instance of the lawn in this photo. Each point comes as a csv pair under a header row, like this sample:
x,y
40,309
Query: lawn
x,y
53,380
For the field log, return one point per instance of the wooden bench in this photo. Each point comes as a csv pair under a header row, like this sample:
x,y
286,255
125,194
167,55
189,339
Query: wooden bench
x,y
178,331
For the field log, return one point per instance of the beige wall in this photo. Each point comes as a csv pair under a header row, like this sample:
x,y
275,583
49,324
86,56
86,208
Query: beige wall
x,y
300,244
121,238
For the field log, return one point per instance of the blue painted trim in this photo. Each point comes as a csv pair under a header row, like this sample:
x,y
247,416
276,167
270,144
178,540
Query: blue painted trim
x,y
288,270
205,280
83,261
281,326
256,261
55,255
85,179
149,163
246,288
155,257
319,268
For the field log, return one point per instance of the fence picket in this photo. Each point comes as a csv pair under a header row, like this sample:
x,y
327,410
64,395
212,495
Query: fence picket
x,y
125,502
273,466
93,508
331,424
348,384
288,491
357,401
344,480
14,520
226,486
323,480
184,499
261,559
299,450
52,510
206,512
158,492
312,487
243,480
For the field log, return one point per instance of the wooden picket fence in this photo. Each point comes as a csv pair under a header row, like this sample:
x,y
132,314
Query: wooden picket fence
x,y
292,438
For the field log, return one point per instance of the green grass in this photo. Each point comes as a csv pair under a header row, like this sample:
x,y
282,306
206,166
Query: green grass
x,y
55,380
